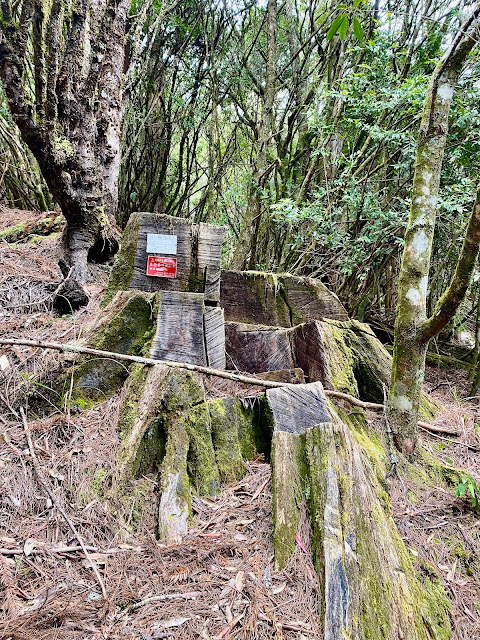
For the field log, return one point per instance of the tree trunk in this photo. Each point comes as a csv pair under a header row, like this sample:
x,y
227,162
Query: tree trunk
x,y
245,250
412,328
74,126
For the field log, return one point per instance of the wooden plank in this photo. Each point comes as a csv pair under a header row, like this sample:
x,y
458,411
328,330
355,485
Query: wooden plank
x,y
179,334
209,253
299,407
162,224
256,348
215,337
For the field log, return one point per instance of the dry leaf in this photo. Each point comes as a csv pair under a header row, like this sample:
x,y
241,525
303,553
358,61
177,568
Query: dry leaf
x,y
239,581
54,474
4,363
309,572
240,537
29,546
179,574
279,589
451,573
173,622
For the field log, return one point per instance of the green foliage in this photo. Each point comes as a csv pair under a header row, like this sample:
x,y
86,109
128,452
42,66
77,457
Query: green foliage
x,y
470,487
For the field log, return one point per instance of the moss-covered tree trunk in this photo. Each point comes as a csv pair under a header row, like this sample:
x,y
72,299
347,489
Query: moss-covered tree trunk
x,y
73,125
412,328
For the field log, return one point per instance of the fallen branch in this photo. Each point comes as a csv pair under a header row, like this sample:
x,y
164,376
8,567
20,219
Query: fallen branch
x,y
190,595
57,503
72,348
43,300
375,406
219,373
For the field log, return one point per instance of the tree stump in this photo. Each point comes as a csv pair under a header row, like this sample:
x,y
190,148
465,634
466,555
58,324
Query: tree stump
x,y
335,470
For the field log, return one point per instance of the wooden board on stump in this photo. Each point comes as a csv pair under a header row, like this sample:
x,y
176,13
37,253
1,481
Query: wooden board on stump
x,y
198,254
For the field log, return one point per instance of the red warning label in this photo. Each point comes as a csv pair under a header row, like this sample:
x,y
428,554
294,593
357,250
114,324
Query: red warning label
x,y
162,267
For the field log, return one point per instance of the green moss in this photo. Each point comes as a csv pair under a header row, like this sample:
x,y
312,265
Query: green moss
x,y
374,620
64,148
126,328
289,474
98,484
430,471
35,231
202,466
122,270
227,419
341,359
467,558
316,453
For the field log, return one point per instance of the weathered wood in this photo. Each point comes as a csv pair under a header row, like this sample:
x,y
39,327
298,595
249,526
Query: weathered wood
x,y
289,376
214,327
198,257
289,480
153,223
165,427
278,300
296,408
310,353
369,587
232,435
209,253
179,334
256,348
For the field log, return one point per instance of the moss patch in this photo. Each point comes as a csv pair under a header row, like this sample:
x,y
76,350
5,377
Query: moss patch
x,y
125,327
122,270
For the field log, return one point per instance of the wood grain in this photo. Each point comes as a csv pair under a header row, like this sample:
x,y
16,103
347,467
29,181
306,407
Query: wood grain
x,y
209,253
298,407
214,326
179,334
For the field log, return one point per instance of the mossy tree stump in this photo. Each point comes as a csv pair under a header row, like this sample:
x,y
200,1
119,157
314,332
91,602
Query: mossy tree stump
x,y
335,470
170,431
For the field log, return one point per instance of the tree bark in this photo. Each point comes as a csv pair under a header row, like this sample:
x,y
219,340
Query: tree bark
x,y
74,126
245,251
412,328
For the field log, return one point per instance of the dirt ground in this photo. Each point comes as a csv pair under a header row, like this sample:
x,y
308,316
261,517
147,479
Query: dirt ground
x,y
220,581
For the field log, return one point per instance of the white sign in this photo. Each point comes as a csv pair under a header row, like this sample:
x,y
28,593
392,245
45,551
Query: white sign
x,y
160,243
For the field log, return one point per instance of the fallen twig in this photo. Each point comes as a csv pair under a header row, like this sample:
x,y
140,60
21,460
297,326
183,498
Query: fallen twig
x,y
219,373
225,632
190,595
43,300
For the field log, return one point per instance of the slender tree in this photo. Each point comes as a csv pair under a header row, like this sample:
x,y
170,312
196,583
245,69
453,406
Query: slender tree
x,y
413,330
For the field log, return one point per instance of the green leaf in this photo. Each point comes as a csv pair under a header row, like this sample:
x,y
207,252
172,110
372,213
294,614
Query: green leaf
x,y
335,26
356,3
460,490
342,29
357,29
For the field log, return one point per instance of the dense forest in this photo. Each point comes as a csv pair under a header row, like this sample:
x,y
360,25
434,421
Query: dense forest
x,y
336,144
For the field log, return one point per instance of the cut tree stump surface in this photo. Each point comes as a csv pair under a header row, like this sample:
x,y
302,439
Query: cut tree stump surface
x,y
215,337
295,409
179,334
278,300
255,348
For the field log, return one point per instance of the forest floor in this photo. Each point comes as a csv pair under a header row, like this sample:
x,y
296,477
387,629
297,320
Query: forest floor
x,y
220,581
